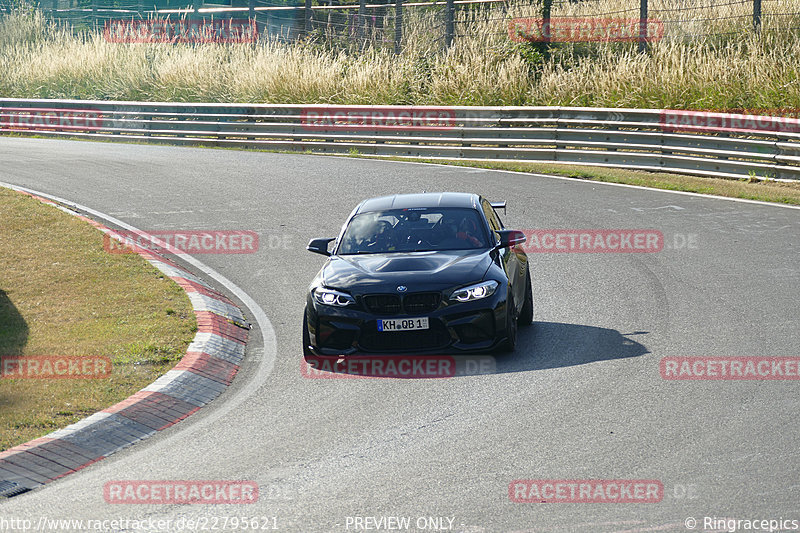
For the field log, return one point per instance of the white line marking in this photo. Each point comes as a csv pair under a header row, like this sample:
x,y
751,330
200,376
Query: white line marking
x,y
574,180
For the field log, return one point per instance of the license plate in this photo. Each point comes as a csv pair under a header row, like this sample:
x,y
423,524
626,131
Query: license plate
x,y
403,324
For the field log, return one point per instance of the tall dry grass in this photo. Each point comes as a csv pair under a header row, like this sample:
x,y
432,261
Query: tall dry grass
x,y
687,69
754,73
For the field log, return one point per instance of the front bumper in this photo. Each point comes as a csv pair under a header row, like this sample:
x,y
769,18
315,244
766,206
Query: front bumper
x,y
468,327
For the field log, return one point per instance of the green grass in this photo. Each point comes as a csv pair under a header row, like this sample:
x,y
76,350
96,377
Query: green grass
x,y
61,294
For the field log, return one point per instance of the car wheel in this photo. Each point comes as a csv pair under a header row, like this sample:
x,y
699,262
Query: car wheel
x,y
306,336
526,315
510,344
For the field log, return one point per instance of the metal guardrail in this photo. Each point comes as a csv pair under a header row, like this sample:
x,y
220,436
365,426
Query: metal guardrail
x,y
697,143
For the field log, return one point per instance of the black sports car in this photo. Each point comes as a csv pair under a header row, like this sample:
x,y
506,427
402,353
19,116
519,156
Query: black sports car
x,y
419,273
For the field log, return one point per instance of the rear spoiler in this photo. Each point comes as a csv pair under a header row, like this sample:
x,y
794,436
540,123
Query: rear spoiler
x,y
499,205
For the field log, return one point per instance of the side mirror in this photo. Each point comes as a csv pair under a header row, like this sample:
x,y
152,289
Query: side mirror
x,y
510,237
319,246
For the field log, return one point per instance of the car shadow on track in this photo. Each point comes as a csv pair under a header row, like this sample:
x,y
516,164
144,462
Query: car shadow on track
x,y
543,345
555,344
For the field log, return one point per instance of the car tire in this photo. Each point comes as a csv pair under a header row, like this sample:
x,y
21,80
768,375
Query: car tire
x,y
510,344
526,314
306,336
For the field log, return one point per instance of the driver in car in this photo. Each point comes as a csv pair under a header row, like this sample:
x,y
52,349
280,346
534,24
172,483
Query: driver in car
x,y
458,232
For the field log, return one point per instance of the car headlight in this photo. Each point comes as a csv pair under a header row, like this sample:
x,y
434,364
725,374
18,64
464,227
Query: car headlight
x,y
475,292
331,297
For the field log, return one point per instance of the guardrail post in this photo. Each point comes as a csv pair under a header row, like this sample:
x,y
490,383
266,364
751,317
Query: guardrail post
x,y
547,8
196,8
328,25
398,26
94,14
380,18
643,26
252,6
361,21
449,23
757,15
307,14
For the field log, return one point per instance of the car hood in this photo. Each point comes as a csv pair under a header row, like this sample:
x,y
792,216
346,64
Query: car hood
x,y
418,271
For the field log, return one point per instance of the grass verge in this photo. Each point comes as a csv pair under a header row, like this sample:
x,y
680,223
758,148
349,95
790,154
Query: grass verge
x,y
61,294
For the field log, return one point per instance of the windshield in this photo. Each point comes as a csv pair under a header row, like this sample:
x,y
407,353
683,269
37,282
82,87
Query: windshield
x,y
414,230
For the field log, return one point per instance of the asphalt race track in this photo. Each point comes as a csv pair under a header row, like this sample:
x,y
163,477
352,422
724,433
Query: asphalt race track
x,y
582,398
